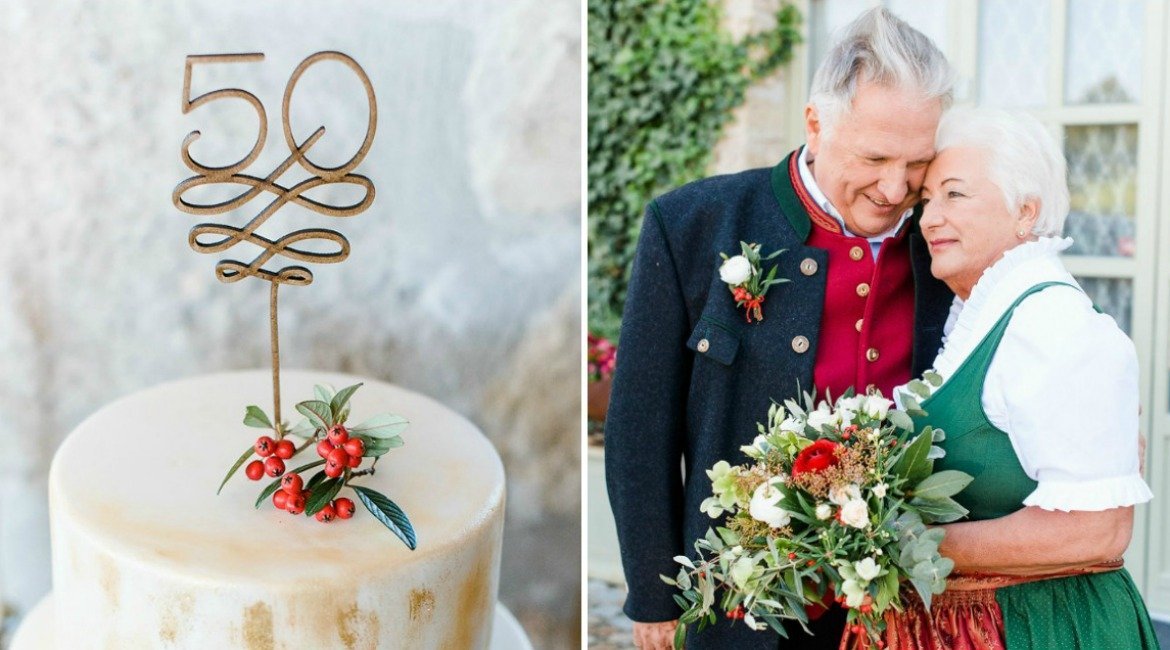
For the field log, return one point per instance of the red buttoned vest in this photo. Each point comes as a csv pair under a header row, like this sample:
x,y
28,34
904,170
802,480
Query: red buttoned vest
x,y
867,320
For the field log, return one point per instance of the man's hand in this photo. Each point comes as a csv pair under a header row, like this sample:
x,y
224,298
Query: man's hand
x,y
654,636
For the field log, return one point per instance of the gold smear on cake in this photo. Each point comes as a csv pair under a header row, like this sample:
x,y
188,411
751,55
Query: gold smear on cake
x,y
358,628
108,580
473,602
258,628
176,613
422,605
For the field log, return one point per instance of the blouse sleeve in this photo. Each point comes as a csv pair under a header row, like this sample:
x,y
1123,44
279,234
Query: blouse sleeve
x,y
1064,385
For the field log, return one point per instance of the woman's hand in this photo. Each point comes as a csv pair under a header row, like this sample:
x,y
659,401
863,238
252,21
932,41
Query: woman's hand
x,y
654,636
1037,541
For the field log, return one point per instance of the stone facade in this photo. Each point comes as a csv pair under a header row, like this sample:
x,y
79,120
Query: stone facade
x,y
760,133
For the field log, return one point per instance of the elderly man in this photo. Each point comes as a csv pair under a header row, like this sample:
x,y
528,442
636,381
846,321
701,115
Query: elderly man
x,y
861,309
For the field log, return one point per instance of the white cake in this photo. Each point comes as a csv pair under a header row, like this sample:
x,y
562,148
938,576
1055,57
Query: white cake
x,y
146,555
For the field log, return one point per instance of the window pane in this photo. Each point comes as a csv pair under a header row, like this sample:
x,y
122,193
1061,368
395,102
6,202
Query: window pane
x,y
1103,52
1114,296
1102,182
825,18
1013,53
930,18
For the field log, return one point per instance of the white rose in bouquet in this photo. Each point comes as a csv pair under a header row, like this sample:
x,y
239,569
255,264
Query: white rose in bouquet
x,y
877,406
763,506
842,494
824,511
735,270
855,513
854,593
867,569
821,417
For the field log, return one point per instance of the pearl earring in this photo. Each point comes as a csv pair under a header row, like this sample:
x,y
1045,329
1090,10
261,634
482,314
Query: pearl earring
x,y
1020,234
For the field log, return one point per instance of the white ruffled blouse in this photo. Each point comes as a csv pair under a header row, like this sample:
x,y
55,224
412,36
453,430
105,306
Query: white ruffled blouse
x,y
1063,382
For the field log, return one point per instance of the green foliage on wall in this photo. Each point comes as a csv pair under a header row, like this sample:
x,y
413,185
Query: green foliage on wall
x,y
663,80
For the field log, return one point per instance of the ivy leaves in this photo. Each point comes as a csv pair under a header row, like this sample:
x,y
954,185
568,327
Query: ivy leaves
x,y
663,80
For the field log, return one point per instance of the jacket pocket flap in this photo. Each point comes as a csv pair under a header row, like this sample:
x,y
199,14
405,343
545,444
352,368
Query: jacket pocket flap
x,y
714,341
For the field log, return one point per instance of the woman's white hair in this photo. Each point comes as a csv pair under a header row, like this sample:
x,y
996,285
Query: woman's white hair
x,y
878,47
1024,160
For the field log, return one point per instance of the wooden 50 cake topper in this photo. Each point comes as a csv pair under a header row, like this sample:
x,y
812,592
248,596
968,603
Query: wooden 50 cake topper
x,y
215,237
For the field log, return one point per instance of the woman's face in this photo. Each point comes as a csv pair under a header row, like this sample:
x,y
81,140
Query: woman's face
x,y
965,220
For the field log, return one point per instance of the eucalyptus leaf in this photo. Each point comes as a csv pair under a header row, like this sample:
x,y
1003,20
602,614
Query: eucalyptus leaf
x,y
388,512
254,416
239,461
900,419
918,388
318,413
341,399
385,425
933,378
322,495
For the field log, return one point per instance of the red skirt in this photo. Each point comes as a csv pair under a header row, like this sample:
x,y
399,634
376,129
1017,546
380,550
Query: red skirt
x,y
964,617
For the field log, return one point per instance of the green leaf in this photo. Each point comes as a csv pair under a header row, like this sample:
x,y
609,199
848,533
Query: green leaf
x,y
932,378
918,388
939,511
239,461
303,429
323,392
272,487
318,412
385,425
375,447
939,485
337,404
912,465
900,419
322,495
254,416
315,480
388,512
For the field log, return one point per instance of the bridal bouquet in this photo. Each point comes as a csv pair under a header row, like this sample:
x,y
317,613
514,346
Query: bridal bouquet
x,y
832,505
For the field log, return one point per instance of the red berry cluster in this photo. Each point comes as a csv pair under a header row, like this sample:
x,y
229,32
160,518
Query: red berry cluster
x,y
274,454
736,614
291,497
340,451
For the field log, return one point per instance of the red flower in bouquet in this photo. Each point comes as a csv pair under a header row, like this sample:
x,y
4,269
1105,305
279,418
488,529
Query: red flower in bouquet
x,y
816,457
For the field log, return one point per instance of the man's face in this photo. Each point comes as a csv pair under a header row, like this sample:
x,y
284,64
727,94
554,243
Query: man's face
x,y
872,163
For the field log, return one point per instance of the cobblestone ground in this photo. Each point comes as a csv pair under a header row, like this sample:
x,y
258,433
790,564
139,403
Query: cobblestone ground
x,y
609,629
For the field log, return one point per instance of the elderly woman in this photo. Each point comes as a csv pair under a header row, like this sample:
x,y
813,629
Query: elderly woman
x,y
1039,404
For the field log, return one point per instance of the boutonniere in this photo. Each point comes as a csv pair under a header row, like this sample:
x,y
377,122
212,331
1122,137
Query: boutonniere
x,y
746,280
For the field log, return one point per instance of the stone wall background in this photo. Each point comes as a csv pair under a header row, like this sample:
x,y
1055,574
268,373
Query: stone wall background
x,y
463,280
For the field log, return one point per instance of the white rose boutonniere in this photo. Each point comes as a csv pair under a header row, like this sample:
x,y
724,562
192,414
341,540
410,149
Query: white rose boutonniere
x,y
746,279
735,270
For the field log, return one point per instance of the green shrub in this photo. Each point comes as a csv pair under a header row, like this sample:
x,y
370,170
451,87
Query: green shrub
x,y
663,81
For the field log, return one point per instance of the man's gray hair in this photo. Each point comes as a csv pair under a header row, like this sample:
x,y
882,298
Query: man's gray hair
x,y
878,47
1024,160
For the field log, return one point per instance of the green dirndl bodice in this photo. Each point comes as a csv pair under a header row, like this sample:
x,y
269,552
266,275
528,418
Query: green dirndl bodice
x,y
1094,612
